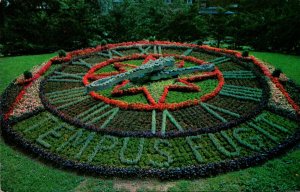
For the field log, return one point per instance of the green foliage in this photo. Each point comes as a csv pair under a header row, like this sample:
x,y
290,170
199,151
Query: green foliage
x,y
245,53
103,42
102,147
162,153
222,149
1,49
191,140
27,74
255,139
138,156
61,53
206,87
289,64
20,173
276,175
152,38
49,25
9,71
276,72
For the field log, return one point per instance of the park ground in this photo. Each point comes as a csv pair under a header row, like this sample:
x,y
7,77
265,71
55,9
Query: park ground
x,y
20,172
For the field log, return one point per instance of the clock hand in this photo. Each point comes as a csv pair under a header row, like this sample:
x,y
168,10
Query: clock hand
x,y
151,67
153,70
180,71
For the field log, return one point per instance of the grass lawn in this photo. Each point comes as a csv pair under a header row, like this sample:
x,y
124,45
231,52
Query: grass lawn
x,y
289,64
20,172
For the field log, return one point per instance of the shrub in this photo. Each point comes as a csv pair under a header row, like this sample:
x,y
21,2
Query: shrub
x,y
152,38
245,53
27,74
199,42
276,73
62,53
1,49
103,42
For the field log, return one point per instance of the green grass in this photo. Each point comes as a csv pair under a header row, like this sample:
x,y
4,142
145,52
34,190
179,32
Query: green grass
x,y
20,172
11,67
206,86
281,174
289,64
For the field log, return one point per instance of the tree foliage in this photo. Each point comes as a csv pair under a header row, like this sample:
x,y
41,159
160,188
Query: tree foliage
x,y
35,26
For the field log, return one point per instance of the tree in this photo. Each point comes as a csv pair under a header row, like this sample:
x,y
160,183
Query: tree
x,y
271,25
36,26
186,25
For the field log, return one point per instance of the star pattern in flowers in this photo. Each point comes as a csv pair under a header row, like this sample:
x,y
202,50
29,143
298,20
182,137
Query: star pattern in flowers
x,y
155,91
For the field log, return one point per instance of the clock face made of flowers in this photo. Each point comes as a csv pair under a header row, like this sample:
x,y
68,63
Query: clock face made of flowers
x,y
160,109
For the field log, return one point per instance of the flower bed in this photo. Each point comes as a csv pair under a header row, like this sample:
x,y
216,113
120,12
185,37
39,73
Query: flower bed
x,y
186,126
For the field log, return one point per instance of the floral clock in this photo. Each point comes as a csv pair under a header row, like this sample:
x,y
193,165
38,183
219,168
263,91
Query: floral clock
x,y
189,124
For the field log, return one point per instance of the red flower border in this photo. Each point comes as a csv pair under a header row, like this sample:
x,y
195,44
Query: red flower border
x,y
27,83
275,80
81,52
161,105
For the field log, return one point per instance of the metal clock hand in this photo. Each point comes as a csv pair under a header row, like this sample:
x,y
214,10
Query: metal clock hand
x,y
151,71
151,67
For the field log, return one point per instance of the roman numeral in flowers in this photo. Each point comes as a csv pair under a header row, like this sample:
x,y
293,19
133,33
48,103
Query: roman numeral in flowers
x,y
212,110
55,94
95,114
166,115
67,98
82,63
144,51
157,49
111,53
153,122
66,77
238,75
187,52
239,92
219,60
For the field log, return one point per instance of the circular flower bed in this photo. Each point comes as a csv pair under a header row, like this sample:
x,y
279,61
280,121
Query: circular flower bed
x,y
189,125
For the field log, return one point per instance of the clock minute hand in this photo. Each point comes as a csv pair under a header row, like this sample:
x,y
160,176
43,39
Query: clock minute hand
x,y
209,66
139,72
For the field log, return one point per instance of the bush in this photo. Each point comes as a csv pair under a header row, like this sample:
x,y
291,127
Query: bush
x,y
276,73
1,49
199,42
27,74
152,38
61,53
245,53
103,42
